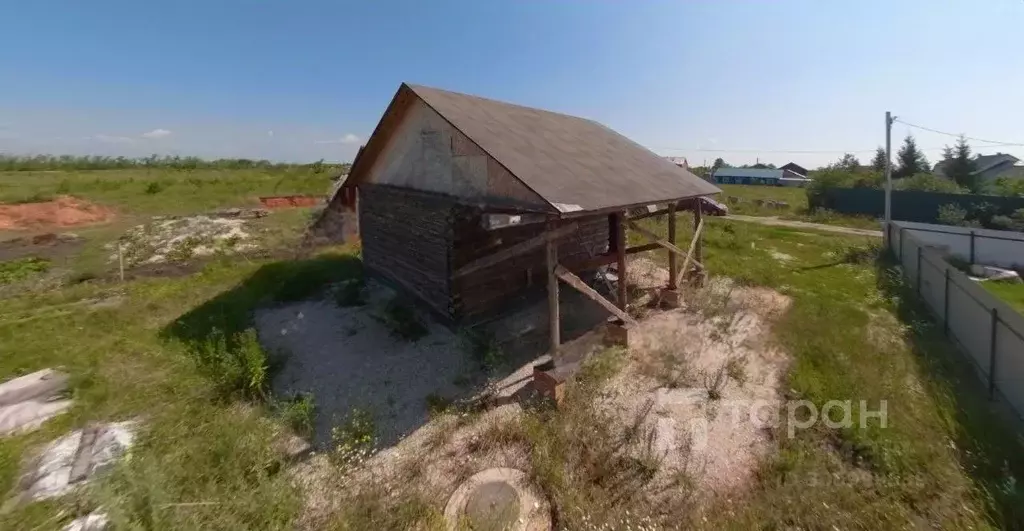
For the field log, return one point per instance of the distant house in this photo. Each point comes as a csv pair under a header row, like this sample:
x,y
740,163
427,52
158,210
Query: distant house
x,y
765,177
990,167
679,161
795,168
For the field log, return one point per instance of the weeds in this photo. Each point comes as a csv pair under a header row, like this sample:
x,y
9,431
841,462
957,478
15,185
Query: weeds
x,y
483,347
17,270
715,382
400,318
298,413
736,368
238,366
154,187
350,293
353,440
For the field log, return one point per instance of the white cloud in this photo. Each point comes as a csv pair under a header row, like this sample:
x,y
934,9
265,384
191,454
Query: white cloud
x,y
270,133
156,133
348,139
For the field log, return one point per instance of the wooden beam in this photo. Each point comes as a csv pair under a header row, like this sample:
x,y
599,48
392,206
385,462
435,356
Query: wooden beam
x,y
689,255
620,251
516,250
569,278
551,262
594,262
672,239
652,236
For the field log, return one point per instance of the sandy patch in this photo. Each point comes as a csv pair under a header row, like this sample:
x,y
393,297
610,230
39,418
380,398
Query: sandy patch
x,y
65,211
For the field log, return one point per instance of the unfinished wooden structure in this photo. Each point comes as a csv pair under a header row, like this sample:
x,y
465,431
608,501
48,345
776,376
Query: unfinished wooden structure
x,y
468,203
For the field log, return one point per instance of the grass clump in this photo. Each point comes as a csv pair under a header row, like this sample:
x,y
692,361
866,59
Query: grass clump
x,y
350,293
238,365
401,319
297,412
13,271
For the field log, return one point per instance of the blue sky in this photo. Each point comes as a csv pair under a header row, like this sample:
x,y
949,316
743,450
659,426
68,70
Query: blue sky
x,y
303,80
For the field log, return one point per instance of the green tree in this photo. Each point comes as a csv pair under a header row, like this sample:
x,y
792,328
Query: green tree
x,y
910,160
959,167
719,163
878,163
848,163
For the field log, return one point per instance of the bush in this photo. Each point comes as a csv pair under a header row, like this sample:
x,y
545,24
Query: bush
x,y
354,440
154,188
952,215
927,182
16,270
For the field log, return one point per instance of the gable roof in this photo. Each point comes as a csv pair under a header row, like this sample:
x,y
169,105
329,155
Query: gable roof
x,y
981,163
794,167
574,164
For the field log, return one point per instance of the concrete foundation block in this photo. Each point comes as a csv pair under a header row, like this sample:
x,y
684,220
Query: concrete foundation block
x,y
670,298
549,382
616,333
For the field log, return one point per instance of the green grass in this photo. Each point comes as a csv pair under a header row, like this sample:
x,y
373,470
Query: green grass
x,y
746,198
162,191
855,333
177,353
1012,294
13,271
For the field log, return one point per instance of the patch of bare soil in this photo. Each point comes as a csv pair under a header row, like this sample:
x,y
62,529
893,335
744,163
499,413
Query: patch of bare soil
x,y
48,245
65,211
704,382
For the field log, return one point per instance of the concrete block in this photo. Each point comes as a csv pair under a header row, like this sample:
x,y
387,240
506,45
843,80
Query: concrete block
x,y
670,298
40,384
616,333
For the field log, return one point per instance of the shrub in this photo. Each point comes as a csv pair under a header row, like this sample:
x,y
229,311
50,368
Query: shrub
x,y
928,182
154,188
952,215
17,270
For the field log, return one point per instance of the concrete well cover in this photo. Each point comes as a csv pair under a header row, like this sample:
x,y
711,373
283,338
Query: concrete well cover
x,y
498,499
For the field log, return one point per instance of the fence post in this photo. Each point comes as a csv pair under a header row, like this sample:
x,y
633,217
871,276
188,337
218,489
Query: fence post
x,y
901,246
945,304
992,356
918,274
972,247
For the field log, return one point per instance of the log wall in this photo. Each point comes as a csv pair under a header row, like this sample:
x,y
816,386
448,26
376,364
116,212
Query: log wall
x,y
407,238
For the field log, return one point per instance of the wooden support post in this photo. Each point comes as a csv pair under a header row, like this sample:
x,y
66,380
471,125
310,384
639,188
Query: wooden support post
x,y
672,240
620,255
551,262
698,221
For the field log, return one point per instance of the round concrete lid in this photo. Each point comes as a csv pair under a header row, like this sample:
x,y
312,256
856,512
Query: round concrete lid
x,y
493,506
498,499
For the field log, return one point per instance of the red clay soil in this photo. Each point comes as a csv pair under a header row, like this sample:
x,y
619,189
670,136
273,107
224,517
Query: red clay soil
x,y
289,201
65,211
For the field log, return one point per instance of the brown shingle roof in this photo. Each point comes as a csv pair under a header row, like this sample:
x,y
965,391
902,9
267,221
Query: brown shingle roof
x,y
573,163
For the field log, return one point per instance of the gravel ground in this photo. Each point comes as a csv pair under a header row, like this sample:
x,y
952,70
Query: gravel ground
x,y
349,360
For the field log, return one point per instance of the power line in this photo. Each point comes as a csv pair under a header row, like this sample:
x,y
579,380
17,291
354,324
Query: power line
x,y
992,142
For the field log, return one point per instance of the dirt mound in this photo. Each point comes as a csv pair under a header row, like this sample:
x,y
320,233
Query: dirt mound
x,y
64,211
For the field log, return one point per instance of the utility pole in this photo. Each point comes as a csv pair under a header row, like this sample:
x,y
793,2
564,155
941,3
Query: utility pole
x,y
888,174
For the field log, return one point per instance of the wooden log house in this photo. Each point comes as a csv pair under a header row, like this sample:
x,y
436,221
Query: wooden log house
x,y
467,203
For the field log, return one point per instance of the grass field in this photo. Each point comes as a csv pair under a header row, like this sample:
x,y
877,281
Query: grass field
x,y
745,200
1012,294
175,352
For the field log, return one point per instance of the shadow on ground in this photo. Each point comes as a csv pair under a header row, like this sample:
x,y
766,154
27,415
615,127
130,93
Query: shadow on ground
x,y
988,434
345,353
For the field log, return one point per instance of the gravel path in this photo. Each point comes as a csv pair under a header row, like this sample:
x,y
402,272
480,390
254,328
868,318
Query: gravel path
x,y
347,359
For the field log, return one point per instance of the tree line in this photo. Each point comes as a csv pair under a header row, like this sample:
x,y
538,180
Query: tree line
x,y
99,162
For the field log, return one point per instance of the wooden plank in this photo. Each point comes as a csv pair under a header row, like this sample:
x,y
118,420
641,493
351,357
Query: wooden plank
x,y
569,278
516,250
654,237
672,239
551,262
620,251
689,255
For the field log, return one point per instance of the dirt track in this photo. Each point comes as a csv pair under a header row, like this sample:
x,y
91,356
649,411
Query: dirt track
x,y
805,225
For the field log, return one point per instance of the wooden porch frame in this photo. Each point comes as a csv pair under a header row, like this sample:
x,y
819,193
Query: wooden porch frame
x,y
522,247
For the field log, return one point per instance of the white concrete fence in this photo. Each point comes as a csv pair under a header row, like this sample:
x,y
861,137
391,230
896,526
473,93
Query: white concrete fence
x,y
987,330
